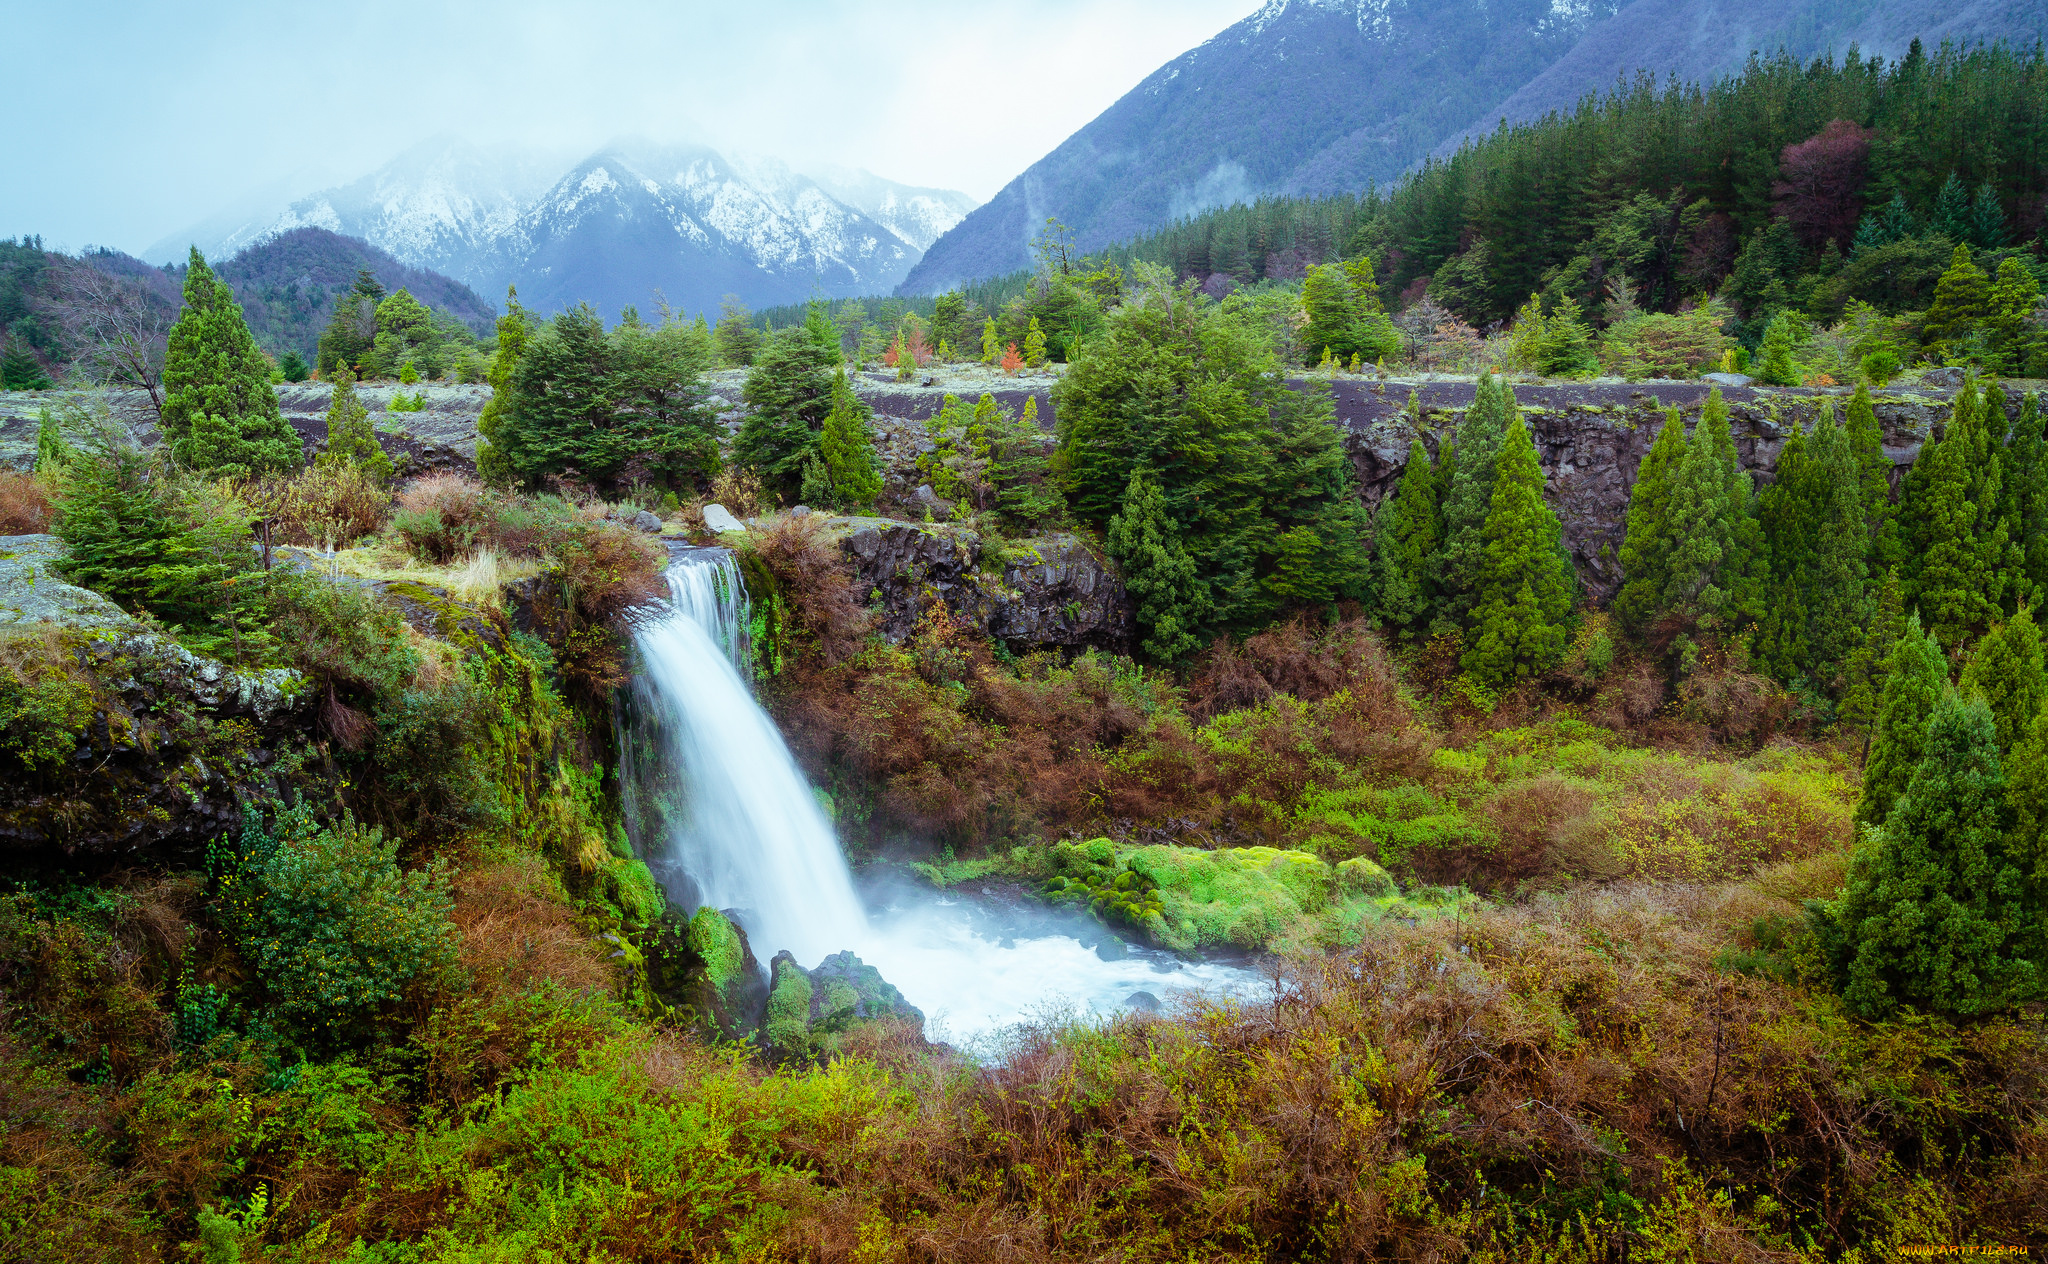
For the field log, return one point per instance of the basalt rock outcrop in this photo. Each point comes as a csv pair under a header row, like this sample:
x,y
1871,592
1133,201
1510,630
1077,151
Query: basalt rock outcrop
x,y
1049,592
114,739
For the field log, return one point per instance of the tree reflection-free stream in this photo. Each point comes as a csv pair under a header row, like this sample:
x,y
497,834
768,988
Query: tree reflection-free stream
x,y
720,809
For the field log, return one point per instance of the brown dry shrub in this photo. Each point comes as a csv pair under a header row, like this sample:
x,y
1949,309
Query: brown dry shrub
x,y
1733,705
1529,819
1295,658
320,506
811,581
25,503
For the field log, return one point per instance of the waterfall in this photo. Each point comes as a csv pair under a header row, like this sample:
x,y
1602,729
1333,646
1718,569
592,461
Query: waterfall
x,y
724,817
711,789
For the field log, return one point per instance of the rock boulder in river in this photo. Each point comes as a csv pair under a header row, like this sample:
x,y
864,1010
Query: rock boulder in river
x,y
810,1012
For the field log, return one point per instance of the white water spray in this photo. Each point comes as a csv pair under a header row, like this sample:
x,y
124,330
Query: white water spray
x,y
724,815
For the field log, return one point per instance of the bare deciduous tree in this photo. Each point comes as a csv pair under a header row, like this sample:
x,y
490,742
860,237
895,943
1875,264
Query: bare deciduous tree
x,y
118,332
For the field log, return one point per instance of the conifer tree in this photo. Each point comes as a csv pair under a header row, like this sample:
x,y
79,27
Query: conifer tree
x,y
1987,219
1525,592
350,438
2026,796
1951,217
2006,671
848,447
220,413
1646,547
1936,912
1020,470
1708,516
2027,479
515,330
788,392
1863,678
736,339
1834,585
1034,344
52,452
991,342
1409,530
1956,576
1873,467
1565,346
1915,678
1961,298
1466,481
1778,368
1171,600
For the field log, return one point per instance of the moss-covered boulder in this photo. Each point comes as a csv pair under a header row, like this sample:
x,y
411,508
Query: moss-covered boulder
x,y
1259,898
810,1012
704,966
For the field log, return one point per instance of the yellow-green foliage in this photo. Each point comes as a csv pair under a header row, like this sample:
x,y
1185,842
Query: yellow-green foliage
x,y
44,706
1243,896
717,944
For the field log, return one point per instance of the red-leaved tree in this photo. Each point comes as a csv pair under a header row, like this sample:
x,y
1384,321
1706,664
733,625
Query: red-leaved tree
x,y
1820,185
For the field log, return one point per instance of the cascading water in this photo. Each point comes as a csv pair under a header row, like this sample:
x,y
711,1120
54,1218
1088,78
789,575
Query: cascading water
x,y
725,818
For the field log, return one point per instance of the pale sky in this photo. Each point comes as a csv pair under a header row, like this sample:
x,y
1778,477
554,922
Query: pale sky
x,y
129,121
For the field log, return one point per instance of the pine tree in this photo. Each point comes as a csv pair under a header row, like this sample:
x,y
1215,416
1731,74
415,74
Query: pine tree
x,y
1525,592
1708,514
2009,307
1936,912
1646,546
848,446
1410,528
1784,513
293,366
1894,223
2006,671
20,370
1466,480
52,452
736,339
350,438
515,330
1915,678
1951,217
991,342
1172,602
1020,471
1873,467
1957,583
1034,344
1834,584
788,392
818,327
1565,347
1863,678
1778,368
220,413
1961,298
1987,219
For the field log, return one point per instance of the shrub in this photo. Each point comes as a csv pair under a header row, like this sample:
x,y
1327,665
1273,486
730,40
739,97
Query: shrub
x,y
334,929
44,708
329,505
24,503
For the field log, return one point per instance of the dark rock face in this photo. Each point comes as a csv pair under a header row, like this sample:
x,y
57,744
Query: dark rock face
x,y
1591,438
704,966
1049,592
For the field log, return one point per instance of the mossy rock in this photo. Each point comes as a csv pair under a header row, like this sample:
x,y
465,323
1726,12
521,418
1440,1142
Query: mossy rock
x,y
704,966
1246,897
632,890
1362,876
787,1028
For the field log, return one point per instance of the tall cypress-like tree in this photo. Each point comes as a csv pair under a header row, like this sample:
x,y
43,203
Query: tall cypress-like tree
x,y
1710,528
515,330
1466,480
1777,367
1019,469
350,438
1171,600
2027,477
2006,671
220,414
848,447
1937,912
1863,677
1410,528
1525,584
1873,467
1955,544
1836,583
1915,678
1961,298
1647,546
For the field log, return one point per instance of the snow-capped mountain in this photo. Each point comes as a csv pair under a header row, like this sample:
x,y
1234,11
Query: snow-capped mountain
x,y
631,224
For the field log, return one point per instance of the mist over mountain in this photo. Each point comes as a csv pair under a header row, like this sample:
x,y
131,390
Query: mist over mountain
x,y
1326,96
631,224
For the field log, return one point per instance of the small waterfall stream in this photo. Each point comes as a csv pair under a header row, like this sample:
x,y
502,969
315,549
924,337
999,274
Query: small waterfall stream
x,y
724,816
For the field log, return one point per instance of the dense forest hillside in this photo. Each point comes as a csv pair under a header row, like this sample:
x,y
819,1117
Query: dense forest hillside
x,y
1325,98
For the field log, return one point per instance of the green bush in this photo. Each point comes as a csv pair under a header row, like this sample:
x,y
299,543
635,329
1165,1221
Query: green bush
x,y
335,931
